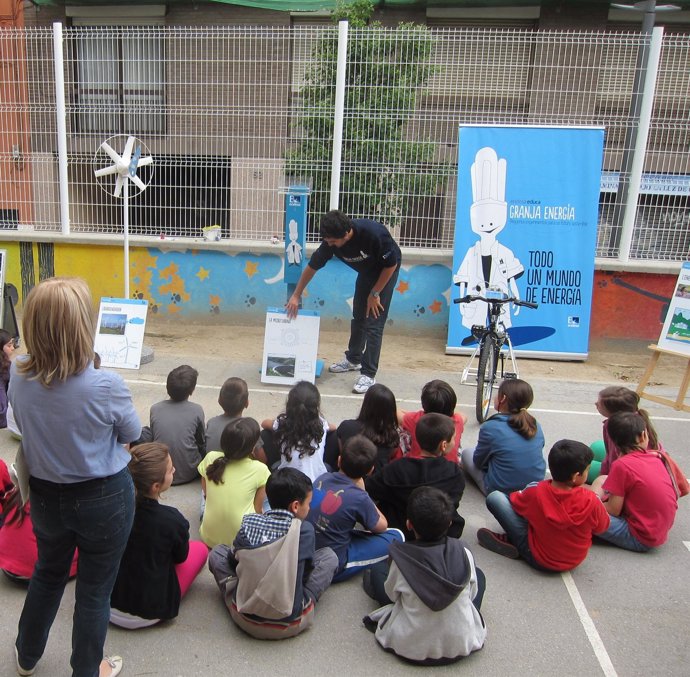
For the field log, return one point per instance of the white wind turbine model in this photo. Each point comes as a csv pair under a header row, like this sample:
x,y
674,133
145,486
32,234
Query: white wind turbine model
x,y
124,167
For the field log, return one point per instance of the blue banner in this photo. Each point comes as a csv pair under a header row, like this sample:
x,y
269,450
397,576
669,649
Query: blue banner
x,y
526,224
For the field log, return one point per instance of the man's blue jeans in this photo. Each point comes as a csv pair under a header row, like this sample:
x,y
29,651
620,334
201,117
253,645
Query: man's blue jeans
x,y
366,333
515,526
96,517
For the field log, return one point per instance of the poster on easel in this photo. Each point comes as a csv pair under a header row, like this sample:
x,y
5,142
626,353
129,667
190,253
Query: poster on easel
x,y
120,332
675,334
290,347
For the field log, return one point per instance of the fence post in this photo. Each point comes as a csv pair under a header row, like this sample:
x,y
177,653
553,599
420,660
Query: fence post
x,y
640,150
338,114
61,118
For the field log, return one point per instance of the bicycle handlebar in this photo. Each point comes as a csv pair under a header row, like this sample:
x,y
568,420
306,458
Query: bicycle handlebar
x,y
469,298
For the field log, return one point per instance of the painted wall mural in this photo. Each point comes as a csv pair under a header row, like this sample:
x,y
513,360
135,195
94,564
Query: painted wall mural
x,y
221,286
195,282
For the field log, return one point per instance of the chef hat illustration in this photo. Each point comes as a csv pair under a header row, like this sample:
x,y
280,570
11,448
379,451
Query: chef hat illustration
x,y
488,177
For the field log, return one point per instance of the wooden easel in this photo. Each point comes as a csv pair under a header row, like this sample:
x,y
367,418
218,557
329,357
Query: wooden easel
x,y
679,402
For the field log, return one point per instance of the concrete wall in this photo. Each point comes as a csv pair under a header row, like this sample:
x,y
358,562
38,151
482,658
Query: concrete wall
x,y
229,286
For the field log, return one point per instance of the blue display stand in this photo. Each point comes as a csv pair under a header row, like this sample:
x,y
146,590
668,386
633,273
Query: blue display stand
x,y
296,219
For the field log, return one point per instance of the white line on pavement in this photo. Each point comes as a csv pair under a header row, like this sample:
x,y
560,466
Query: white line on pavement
x,y
687,544
589,627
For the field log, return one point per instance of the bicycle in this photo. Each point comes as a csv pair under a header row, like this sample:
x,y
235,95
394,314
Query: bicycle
x,y
491,339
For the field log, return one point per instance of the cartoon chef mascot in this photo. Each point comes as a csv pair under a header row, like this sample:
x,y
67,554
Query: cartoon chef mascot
x,y
488,262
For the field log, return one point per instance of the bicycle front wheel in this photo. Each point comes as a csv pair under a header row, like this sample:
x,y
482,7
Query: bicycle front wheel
x,y
486,375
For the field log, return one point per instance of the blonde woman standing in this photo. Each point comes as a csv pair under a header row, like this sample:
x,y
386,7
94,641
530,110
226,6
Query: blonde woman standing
x,y
74,421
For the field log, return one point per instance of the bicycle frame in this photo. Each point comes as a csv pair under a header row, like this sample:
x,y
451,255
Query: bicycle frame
x,y
505,350
492,338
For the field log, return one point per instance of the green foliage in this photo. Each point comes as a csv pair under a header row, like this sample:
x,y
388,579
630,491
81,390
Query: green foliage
x,y
381,168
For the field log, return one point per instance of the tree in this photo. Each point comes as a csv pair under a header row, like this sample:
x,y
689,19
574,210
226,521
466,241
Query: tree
x,y
381,168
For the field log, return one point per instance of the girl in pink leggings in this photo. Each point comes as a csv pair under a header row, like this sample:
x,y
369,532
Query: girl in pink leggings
x,y
160,562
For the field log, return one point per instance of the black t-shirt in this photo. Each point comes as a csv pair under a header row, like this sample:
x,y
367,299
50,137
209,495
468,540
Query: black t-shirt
x,y
391,487
147,584
370,249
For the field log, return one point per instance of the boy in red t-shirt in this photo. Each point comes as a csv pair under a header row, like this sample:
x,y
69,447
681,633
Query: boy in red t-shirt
x,y
438,397
549,523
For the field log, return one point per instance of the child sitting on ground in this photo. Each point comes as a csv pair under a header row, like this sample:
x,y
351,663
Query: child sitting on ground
x,y
438,397
179,424
433,590
510,447
18,550
6,350
343,502
615,400
272,576
233,482
233,399
392,485
377,420
299,434
638,492
550,523
160,563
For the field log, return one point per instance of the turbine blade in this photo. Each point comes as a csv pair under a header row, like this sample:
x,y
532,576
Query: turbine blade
x,y
138,182
143,162
106,171
127,153
109,150
118,185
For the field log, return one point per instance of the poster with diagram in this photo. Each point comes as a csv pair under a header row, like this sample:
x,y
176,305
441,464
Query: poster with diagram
x,y
290,347
120,332
675,334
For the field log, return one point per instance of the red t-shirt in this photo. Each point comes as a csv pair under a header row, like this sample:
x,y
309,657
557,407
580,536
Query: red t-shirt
x,y
561,523
18,550
409,423
650,502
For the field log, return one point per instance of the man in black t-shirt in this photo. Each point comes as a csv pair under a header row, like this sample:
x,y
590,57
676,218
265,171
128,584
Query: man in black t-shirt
x,y
368,248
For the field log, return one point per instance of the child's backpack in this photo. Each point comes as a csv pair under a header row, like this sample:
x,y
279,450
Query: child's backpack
x,y
678,479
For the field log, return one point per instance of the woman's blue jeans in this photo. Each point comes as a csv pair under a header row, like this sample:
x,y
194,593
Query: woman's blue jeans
x,y
96,517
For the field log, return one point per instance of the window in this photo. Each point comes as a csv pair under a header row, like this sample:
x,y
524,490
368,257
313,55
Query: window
x,y
185,194
119,74
119,82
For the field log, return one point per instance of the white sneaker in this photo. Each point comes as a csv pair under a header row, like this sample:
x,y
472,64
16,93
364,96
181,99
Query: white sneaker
x,y
20,670
363,384
343,366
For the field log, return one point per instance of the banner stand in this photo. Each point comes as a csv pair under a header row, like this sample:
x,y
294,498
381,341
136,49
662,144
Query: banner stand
x,y
678,403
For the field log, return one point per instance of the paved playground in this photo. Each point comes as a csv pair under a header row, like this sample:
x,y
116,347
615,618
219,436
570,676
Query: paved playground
x,y
619,613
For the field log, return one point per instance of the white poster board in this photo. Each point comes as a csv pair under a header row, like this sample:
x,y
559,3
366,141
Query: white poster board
x,y
290,347
120,332
675,334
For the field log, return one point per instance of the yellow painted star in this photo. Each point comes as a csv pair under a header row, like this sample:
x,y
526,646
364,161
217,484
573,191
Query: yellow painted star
x,y
203,273
251,268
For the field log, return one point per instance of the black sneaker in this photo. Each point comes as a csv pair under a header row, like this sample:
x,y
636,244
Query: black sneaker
x,y
497,543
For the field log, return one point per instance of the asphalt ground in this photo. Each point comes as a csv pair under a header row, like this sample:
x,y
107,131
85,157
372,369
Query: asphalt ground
x,y
618,613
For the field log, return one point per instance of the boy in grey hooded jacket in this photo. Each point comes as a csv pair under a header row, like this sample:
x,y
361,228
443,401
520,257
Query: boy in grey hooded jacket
x,y
434,588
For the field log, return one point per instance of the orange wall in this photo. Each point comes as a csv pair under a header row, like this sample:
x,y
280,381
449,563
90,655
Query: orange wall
x,y
630,305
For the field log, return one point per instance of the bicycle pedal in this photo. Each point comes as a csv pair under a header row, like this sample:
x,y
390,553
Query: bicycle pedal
x,y
510,375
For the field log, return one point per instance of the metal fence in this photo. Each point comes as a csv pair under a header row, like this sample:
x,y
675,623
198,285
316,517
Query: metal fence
x,y
232,115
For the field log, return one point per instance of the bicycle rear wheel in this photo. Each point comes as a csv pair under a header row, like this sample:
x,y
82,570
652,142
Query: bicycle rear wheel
x,y
486,375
